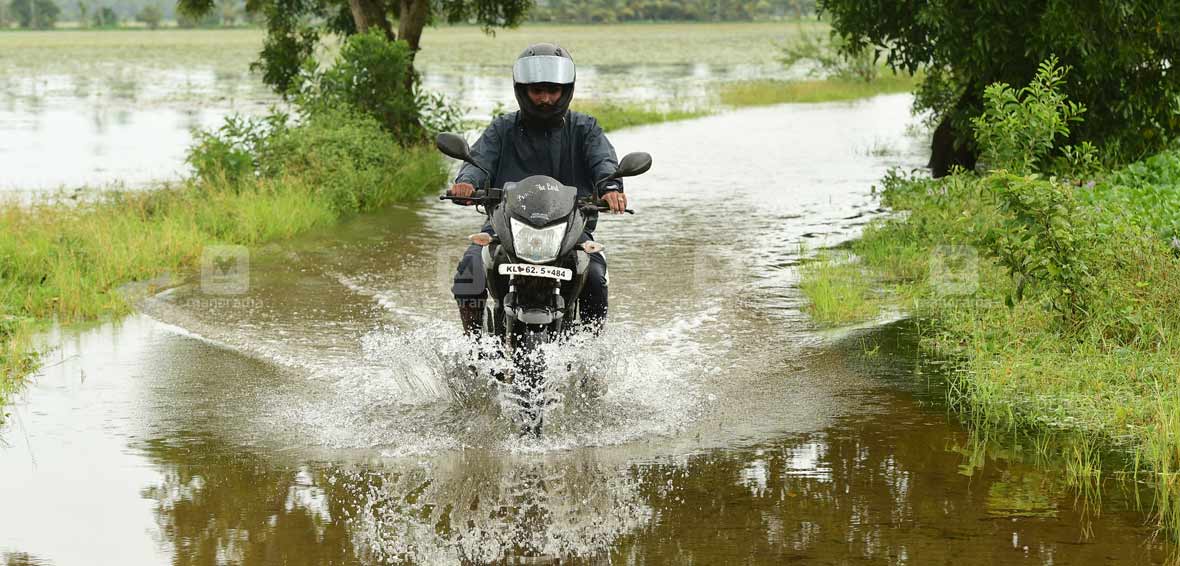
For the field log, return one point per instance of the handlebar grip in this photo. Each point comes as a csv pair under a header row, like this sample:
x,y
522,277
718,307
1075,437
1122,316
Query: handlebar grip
x,y
607,209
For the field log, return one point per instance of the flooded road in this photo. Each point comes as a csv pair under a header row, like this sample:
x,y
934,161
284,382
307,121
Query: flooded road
x,y
324,413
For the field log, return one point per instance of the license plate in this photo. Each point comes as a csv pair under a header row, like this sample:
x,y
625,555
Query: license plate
x,y
536,271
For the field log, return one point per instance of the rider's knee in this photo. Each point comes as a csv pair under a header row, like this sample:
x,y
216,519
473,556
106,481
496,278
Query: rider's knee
x,y
596,276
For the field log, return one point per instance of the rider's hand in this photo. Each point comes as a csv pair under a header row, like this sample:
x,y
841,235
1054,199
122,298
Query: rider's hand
x,y
462,190
616,200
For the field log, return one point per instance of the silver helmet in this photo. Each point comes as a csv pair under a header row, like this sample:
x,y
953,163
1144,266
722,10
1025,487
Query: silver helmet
x,y
544,63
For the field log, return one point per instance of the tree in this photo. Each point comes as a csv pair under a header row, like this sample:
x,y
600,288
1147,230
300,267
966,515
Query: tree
x,y
208,20
151,15
230,10
1120,53
294,27
106,17
39,14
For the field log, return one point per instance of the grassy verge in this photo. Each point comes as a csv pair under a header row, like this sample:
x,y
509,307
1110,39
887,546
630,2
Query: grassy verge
x,y
615,115
837,288
1094,355
764,92
67,261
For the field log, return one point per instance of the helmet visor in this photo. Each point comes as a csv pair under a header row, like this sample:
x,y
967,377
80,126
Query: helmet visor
x,y
543,69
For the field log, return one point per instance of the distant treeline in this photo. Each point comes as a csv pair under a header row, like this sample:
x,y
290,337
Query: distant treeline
x,y
609,11
45,14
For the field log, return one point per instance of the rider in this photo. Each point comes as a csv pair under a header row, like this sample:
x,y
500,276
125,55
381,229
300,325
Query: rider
x,y
544,138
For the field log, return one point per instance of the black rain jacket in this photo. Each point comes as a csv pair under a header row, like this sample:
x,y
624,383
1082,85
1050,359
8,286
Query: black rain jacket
x,y
577,154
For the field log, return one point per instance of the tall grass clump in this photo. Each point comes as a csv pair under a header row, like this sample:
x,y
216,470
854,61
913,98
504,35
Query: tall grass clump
x,y
1071,323
837,288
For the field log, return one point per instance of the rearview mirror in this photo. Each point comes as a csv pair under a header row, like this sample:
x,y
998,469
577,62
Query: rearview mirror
x,y
633,164
453,145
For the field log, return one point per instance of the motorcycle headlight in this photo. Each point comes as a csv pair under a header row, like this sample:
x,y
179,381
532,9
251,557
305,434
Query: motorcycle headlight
x,y
537,246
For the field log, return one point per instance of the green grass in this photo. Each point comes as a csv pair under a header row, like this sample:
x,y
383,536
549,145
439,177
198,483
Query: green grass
x,y
616,115
765,92
1108,377
838,289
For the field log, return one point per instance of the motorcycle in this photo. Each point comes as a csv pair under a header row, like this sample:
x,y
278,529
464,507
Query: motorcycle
x,y
536,264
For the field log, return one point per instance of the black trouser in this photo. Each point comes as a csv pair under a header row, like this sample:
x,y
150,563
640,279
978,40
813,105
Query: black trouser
x,y
470,286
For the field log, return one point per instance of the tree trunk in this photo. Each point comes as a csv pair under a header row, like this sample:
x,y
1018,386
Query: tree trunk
x,y
414,14
948,147
369,13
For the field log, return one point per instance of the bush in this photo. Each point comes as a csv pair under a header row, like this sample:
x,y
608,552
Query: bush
x,y
345,154
106,18
342,153
150,15
1145,192
39,14
1018,130
373,75
1043,238
437,113
231,152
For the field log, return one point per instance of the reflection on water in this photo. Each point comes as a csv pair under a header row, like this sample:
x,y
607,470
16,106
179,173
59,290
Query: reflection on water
x,y
887,485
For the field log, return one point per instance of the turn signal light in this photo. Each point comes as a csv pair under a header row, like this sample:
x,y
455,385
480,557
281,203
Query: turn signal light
x,y
480,239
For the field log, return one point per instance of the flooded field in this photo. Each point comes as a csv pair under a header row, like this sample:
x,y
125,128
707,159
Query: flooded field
x,y
325,414
117,107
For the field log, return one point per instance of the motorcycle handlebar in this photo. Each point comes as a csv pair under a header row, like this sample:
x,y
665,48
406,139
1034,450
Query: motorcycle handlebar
x,y
477,197
489,197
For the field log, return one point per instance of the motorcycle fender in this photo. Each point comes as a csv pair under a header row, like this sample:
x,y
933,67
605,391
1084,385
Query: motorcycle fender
x,y
488,264
583,262
535,316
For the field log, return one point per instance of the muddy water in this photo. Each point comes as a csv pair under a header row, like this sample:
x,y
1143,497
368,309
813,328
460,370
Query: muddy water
x,y
322,411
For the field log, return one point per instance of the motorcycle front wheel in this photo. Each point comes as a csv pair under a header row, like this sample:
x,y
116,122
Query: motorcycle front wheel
x,y
528,383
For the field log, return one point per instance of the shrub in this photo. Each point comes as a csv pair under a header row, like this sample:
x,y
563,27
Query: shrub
x,y
231,152
1043,239
151,15
373,75
39,14
1019,129
1145,192
343,153
106,17
437,113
